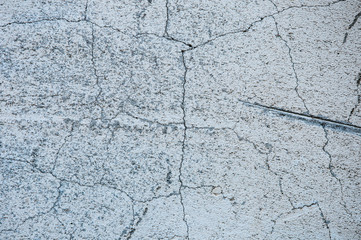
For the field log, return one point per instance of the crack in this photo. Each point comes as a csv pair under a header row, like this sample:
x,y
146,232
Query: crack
x,y
130,227
358,82
170,124
183,142
38,214
158,197
316,203
333,174
270,149
41,20
95,69
268,146
305,205
260,20
351,25
169,38
311,6
133,229
354,20
212,187
276,7
232,32
293,66
71,234
65,140
99,183
177,40
326,222
86,11
341,126
167,19
330,166
274,223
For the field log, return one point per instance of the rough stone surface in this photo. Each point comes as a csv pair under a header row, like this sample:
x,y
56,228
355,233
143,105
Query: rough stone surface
x,y
172,119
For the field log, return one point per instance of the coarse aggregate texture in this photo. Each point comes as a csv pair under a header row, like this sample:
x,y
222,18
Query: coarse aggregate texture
x,y
175,119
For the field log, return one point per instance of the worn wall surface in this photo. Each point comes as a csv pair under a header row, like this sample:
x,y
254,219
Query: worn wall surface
x,y
180,119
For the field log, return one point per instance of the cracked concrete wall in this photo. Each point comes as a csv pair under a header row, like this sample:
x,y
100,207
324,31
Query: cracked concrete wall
x,y
173,119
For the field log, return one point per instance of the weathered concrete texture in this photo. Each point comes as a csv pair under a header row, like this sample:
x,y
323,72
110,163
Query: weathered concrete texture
x,y
170,119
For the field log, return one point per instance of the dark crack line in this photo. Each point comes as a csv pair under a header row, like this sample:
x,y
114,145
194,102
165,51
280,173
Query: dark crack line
x,y
347,127
293,66
183,142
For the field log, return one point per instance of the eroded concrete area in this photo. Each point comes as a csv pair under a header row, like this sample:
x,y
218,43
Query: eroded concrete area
x,y
170,119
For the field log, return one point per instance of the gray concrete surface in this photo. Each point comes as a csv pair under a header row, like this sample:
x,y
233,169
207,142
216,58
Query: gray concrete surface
x,y
175,119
